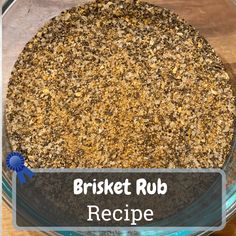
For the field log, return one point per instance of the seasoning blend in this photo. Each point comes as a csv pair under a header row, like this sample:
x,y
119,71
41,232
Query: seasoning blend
x,y
119,84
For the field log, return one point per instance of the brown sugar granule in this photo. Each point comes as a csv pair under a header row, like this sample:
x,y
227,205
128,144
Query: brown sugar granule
x,y
119,84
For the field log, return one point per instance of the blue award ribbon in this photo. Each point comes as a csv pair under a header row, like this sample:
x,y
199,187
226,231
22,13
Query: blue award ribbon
x,y
16,162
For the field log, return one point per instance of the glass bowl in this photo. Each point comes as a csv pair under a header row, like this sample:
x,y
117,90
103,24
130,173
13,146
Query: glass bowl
x,y
214,20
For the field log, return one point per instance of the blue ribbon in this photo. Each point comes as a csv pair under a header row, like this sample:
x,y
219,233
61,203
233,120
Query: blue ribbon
x,y
16,162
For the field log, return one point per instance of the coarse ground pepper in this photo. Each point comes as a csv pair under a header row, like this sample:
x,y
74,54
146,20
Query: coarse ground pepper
x,y
120,84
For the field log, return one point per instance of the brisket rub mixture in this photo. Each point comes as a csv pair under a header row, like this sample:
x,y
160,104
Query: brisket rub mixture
x,y
119,84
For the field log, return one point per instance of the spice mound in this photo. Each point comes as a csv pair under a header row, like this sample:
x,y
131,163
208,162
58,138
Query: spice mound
x,y
119,84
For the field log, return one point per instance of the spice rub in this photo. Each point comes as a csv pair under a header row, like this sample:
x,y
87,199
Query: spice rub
x,y
119,84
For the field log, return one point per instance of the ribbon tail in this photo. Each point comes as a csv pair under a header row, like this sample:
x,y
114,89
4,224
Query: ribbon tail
x,y
28,172
21,177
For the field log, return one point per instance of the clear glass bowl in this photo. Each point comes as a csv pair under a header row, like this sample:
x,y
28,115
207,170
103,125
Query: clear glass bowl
x,y
214,20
